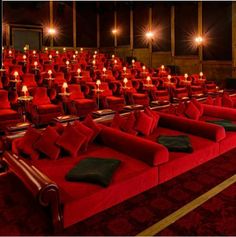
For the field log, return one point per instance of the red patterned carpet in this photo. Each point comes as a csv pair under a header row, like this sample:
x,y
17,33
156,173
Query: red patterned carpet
x,y
19,214
218,214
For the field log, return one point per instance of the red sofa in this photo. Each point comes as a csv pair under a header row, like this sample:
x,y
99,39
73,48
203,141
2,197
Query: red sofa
x,y
71,202
205,139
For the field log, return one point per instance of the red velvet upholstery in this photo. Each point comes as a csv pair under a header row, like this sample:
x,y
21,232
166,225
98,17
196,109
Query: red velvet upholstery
x,y
7,115
135,174
79,105
198,128
42,111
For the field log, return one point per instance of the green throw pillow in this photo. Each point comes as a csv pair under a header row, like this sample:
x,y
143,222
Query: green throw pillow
x,y
94,170
227,124
180,143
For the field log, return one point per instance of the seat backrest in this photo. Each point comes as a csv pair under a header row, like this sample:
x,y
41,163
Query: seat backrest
x,y
76,92
5,104
29,80
41,97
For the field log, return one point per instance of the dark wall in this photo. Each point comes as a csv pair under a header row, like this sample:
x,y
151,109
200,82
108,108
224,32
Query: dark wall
x,y
161,18
186,28
63,21
86,24
217,24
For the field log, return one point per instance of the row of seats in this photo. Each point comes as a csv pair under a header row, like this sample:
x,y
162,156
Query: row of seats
x,y
81,82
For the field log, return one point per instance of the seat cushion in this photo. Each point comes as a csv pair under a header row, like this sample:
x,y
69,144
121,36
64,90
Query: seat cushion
x,y
48,109
88,121
192,111
144,124
8,114
179,143
47,143
85,103
139,95
71,140
27,143
94,170
114,99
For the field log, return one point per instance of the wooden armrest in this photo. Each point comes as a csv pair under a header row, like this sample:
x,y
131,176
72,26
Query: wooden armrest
x,y
43,189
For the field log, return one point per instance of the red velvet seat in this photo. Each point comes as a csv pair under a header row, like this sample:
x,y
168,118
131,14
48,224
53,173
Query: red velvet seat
x,y
28,79
108,100
79,105
59,78
7,115
42,111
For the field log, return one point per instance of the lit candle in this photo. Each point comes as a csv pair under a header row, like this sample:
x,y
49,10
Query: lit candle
x,y
79,71
16,74
124,69
35,64
94,56
148,80
113,56
115,61
57,52
50,57
104,70
10,52
24,57
67,63
98,83
133,61
46,49
25,48
24,89
201,75
64,86
95,52
186,76
81,49
169,77
125,81
74,57
34,52
94,62
144,68
76,52
50,73
162,67
64,49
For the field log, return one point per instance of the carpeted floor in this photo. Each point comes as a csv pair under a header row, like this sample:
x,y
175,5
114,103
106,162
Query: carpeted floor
x,y
20,215
215,217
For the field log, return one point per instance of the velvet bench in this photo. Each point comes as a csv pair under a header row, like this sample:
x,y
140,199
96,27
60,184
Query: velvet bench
x,y
71,202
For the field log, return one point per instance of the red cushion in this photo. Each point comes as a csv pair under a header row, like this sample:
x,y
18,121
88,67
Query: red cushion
x,y
128,124
192,111
153,115
88,121
198,105
227,101
71,140
27,143
116,121
218,101
59,128
46,143
209,100
144,124
48,109
41,97
86,131
8,114
180,108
